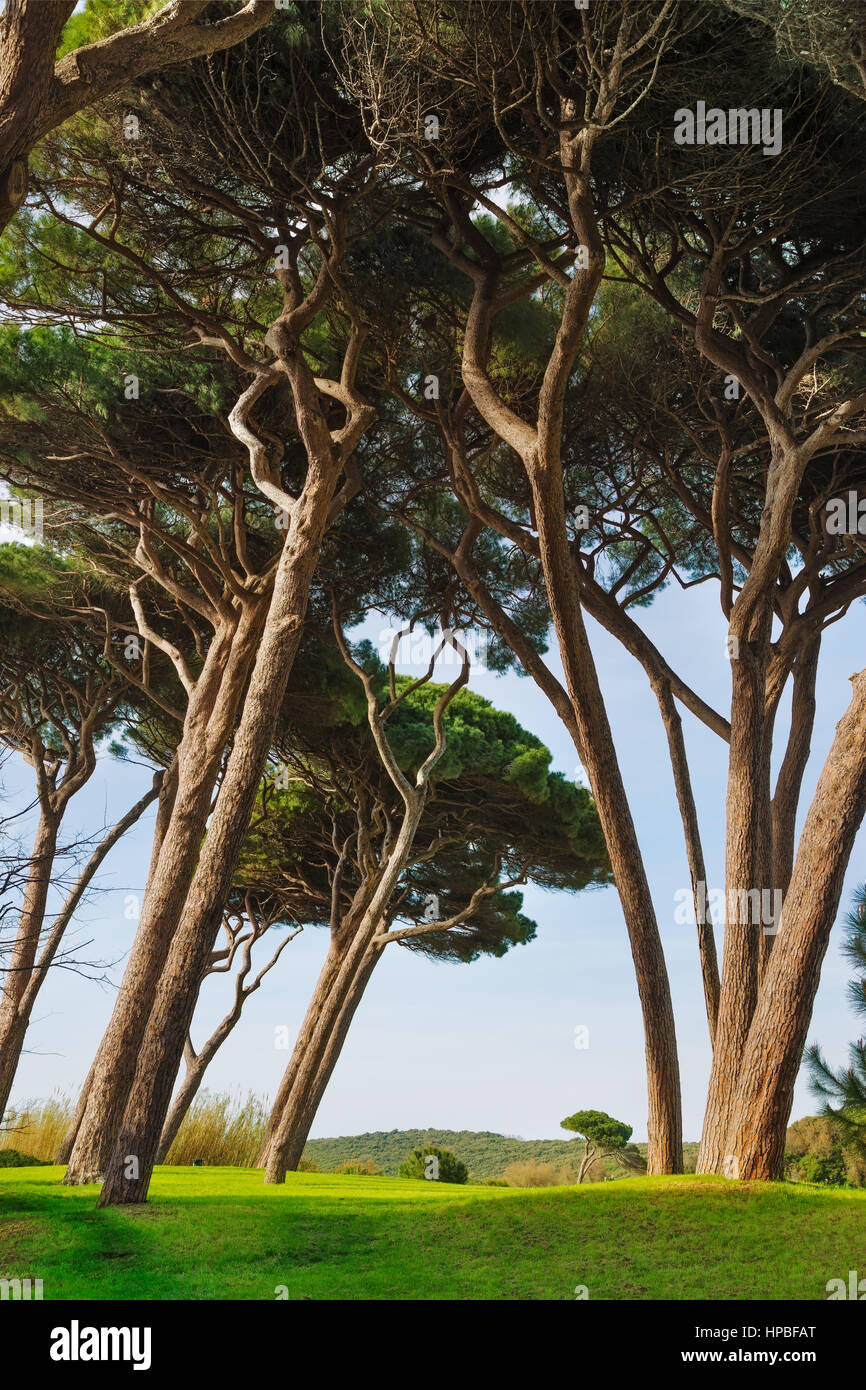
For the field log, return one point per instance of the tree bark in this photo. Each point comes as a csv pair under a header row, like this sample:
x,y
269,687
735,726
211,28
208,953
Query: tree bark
x,y
208,725
324,984
301,1112
756,1138
37,94
13,1020
694,852
178,988
790,780
746,869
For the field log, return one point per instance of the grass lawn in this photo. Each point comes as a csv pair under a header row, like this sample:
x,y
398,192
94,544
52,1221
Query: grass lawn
x,y
212,1233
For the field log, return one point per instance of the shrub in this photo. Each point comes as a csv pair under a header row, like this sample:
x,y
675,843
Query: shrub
x,y
12,1158
308,1165
447,1167
529,1174
360,1168
815,1152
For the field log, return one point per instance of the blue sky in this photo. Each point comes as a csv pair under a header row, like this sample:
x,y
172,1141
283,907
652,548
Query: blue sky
x,y
490,1046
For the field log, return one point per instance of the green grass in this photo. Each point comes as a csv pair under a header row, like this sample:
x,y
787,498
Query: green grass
x,y
220,1233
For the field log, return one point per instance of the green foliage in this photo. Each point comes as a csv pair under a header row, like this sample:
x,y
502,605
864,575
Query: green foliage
x,y
599,1128
101,18
446,1168
495,802
843,1089
485,1153
360,1168
12,1158
815,1152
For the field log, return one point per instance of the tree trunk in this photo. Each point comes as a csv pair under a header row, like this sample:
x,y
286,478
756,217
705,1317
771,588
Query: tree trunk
x,y
176,995
208,726
324,985
165,806
30,981
747,868
30,32
694,850
786,798
196,1066
62,1155
295,1118
351,967
13,1020
756,1139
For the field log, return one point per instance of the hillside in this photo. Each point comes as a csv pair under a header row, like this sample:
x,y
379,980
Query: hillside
x,y
485,1154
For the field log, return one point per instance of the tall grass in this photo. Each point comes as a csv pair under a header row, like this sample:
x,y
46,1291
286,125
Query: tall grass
x,y
227,1129
533,1174
38,1126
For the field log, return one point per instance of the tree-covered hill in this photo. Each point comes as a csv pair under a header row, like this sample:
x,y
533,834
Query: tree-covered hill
x,y
485,1154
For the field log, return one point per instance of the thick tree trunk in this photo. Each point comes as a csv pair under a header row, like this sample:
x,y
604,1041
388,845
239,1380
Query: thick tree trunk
x,y
208,726
176,995
756,1139
30,32
13,1019
747,868
165,806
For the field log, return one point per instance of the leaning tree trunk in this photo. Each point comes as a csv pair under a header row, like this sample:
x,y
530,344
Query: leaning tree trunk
x,y
756,1139
165,805
176,995
351,967
300,1112
786,797
208,725
196,1066
295,1109
324,985
13,1020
